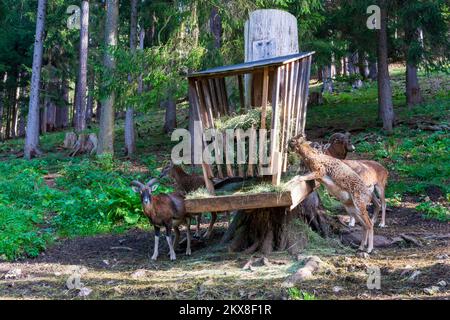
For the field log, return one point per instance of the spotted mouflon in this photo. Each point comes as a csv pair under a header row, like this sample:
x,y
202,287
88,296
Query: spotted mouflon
x,y
341,182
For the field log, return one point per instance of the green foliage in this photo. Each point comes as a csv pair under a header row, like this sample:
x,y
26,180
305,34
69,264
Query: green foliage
x,y
297,294
91,196
434,211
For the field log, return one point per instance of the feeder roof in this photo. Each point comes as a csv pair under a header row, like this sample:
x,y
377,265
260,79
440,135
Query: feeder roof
x,y
249,66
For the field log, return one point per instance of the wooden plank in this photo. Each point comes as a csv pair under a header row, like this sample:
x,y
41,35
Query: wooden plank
x,y
238,202
251,146
289,115
301,95
305,101
220,95
298,98
264,100
241,172
241,91
274,136
248,67
202,108
297,191
208,101
284,105
207,172
265,93
215,108
209,107
229,166
223,86
294,101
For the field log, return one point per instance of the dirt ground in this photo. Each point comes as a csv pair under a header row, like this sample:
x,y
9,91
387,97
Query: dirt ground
x,y
118,267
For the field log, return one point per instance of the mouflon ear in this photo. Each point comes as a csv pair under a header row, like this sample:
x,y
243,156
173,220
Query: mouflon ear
x,y
154,187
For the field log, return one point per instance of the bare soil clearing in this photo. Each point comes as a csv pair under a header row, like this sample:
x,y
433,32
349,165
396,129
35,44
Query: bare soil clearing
x,y
118,267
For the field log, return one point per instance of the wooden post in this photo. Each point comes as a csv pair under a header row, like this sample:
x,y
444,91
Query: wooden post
x,y
205,168
241,91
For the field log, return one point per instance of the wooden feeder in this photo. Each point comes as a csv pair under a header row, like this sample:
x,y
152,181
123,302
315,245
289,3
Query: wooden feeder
x,y
280,83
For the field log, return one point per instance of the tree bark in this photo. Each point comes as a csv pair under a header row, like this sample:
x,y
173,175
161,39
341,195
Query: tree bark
x,y
363,66
413,94
32,134
373,70
90,98
51,116
327,79
80,107
15,112
43,115
1,111
22,116
215,24
62,112
386,109
269,229
106,133
170,120
130,140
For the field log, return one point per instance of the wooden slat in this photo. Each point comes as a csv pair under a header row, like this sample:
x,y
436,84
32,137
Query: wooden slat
x,y
296,193
207,173
220,96
294,100
209,107
223,84
301,95
289,114
305,100
299,190
203,113
229,166
241,91
215,108
283,114
274,136
241,172
265,93
251,146
298,97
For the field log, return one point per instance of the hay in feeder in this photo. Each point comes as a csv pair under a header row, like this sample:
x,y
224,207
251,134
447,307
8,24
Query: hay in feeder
x,y
252,118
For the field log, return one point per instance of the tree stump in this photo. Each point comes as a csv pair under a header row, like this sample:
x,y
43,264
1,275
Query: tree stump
x,y
85,143
276,229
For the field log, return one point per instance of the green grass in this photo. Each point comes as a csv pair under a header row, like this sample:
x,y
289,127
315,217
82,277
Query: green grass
x,y
297,294
91,196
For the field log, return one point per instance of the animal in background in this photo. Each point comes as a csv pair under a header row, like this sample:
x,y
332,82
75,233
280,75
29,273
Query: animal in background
x,y
340,181
190,182
371,172
164,210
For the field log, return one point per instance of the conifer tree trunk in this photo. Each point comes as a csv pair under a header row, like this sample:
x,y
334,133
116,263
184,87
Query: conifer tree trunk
x,y
32,131
386,109
130,144
80,107
106,133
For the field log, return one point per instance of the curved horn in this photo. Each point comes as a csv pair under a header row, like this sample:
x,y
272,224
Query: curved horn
x,y
151,182
137,184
